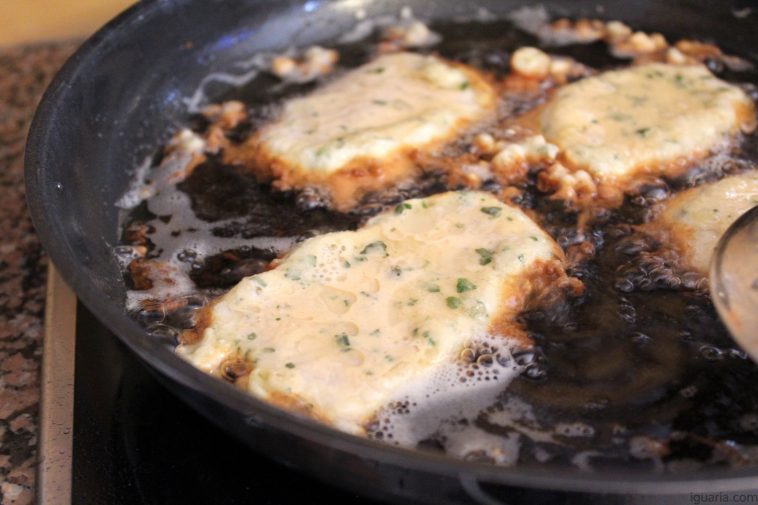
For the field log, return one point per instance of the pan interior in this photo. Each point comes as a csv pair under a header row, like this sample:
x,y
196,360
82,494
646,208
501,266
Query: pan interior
x,y
612,378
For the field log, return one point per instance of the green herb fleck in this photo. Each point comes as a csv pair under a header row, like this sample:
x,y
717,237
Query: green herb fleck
x,y
295,276
642,132
321,151
377,70
259,281
533,237
492,211
379,102
400,207
464,85
429,339
521,258
376,332
433,288
269,349
453,302
485,256
252,335
346,263
290,365
463,285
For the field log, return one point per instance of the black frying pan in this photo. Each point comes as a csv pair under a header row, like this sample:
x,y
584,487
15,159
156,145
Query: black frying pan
x,y
113,104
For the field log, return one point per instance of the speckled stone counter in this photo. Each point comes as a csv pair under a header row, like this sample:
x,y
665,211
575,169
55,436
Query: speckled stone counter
x,y
24,75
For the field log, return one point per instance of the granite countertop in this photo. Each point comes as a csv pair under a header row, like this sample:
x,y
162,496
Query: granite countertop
x,y
24,74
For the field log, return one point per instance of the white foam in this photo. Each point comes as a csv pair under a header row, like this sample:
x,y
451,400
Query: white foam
x,y
133,196
535,20
445,405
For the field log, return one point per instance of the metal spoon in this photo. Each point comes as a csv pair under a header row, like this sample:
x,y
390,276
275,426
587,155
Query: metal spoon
x,y
734,281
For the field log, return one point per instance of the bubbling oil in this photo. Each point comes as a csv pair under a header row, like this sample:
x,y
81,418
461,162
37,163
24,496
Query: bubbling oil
x,y
638,372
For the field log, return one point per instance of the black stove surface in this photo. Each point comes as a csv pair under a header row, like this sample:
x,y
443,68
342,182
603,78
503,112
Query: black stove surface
x,y
135,443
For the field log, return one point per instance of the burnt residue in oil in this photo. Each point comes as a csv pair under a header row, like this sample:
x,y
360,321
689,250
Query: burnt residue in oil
x,y
636,372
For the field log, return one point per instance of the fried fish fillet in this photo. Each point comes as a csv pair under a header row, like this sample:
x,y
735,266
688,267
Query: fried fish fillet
x,y
348,319
359,133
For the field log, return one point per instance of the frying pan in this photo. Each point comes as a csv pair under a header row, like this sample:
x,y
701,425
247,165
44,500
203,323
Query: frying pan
x,y
113,103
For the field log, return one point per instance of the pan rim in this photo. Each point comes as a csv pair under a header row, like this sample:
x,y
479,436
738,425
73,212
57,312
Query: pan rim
x,y
176,369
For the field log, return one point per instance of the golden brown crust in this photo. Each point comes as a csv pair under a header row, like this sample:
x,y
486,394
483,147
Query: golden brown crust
x,y
543,285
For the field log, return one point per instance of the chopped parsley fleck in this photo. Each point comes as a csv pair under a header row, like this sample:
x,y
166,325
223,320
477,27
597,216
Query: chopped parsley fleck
x,y
400,207
259,281
453,302
485,256
377,70
642,132
463,285
375,333
295,276
290,365
433,288
269,349
429,339
521,258
321,151
375,246
343,342
492,211
346,263
464,85
252,335
533,237
379,102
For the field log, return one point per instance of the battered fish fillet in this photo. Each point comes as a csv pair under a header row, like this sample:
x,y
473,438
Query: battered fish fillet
x,y
347,320
359,133
696,218
647,119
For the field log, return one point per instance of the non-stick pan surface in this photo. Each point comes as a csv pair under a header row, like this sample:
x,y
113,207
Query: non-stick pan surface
x,y
113,104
